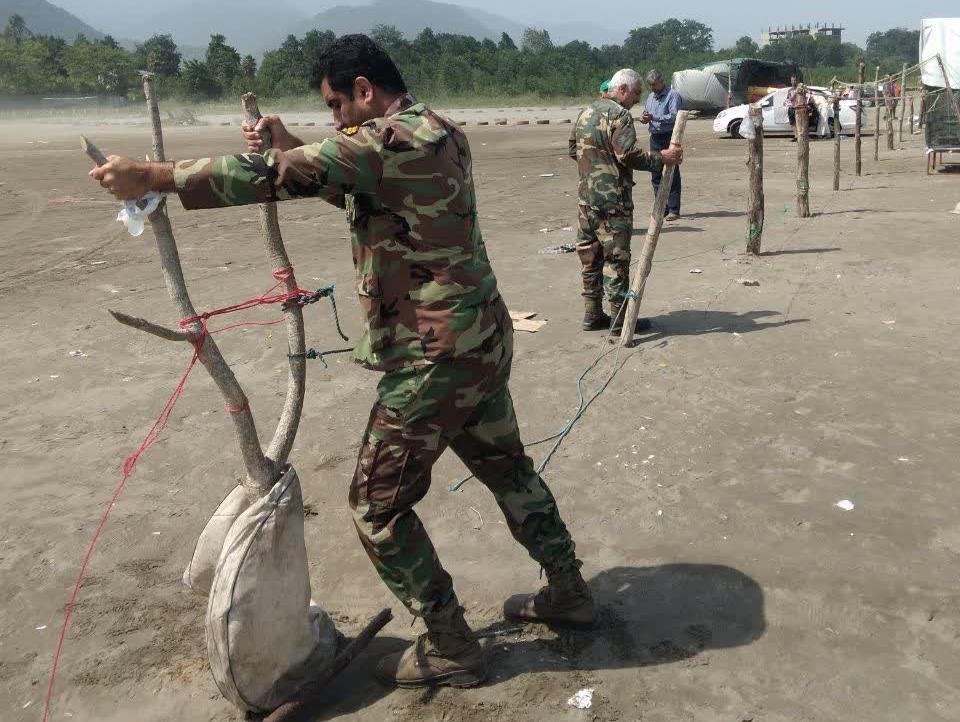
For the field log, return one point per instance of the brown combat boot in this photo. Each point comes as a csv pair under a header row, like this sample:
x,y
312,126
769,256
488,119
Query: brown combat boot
x,y
643,324
565,600
448,655
594,319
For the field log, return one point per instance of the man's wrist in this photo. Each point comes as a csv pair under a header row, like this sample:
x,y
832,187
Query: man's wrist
x,y
159,176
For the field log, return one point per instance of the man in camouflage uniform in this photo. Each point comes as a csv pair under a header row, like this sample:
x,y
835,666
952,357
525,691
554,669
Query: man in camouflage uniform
x,y
435,324
604,144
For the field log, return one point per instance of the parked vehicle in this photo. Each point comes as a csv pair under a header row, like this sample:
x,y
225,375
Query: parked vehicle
x,y
776,120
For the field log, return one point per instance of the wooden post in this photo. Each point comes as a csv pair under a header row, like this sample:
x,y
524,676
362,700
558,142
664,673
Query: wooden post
x,y
650,244
876,106
803,154
837,132
946,83
730,86
858,130
890,110
923,107
755,211
903,98
910,111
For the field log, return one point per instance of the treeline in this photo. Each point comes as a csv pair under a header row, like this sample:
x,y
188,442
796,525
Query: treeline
x,y
434,64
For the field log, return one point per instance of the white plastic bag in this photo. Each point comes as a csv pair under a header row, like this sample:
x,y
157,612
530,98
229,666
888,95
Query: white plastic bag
x,y
134,213
747,129
264,639
203,565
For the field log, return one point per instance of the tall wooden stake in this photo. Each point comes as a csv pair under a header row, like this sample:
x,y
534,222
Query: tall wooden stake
x,y
910,111
890,108
730,86
837,132
858,130
803,153
755,212
903,98
650,244
876,126
923,107
946,84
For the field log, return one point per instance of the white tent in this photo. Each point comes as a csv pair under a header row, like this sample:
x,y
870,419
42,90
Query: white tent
x,y
940,35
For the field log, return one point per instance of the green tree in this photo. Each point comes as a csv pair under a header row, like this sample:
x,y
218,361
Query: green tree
x,y
16,29
222,61
894,46
198,81
159,54
536,40
506,42
248,67
387,37
746,47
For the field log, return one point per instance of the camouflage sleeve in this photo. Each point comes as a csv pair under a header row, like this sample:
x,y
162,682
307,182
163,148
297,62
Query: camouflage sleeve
x,y
328,169
627,150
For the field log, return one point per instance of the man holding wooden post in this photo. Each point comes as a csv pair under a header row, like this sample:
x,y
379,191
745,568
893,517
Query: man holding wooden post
x,y
435,324
604,144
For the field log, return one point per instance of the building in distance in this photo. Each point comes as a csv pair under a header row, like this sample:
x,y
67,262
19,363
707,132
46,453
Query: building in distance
x,y
772,36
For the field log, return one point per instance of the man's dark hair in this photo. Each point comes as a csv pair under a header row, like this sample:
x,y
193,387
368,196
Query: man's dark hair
x,y
352,56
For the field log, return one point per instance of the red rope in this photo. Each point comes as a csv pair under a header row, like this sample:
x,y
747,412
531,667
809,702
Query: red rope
x,y
283,275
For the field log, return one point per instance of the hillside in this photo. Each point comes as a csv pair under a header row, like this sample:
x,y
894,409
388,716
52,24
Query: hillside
x,y
43,18
413,16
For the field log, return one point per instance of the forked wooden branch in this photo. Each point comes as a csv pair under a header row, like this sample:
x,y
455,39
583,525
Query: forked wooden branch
x,y
142,324
286,431
653,236
262,473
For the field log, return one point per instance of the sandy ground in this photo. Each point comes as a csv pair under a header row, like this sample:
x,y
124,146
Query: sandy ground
x,y
701,487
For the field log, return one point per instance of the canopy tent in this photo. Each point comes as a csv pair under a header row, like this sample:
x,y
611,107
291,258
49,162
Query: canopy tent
x,y
940,35
705,87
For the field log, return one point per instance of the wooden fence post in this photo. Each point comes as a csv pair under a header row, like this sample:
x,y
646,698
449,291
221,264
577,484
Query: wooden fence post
x,y
858,130
890,110
803,153
876,107
910,111
923,107
949,87
650,244
837,132
755,212
903,98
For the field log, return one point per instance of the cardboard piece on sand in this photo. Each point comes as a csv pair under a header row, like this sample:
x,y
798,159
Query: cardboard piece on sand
x,y
524,321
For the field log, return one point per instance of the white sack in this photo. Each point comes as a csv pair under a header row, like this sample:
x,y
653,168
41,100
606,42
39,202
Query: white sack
x,y
264,639
199,574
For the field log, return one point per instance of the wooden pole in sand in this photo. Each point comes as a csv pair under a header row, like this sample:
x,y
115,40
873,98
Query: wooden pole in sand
x,y
858,130
890,110
803,153
730,86
923,108
650,244
946,84
902,99
876,106
755,212
837,132
910,111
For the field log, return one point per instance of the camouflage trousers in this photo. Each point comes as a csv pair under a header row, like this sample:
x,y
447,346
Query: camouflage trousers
x,y
464,404
603,245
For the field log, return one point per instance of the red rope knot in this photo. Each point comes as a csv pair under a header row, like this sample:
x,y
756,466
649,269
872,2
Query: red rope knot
x,y
245,406
284,274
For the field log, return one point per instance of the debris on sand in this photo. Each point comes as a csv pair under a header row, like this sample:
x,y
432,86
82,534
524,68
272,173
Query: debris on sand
x,y
748,282
562,248
582,699
845,504
696,271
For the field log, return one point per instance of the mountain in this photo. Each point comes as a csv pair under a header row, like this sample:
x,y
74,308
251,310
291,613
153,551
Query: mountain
x,y
412,16
43,18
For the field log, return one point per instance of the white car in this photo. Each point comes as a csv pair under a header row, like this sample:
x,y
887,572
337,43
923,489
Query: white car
x,y
776,120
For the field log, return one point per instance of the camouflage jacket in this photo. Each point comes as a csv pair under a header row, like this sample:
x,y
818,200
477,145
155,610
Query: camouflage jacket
x,y
604,144
427,291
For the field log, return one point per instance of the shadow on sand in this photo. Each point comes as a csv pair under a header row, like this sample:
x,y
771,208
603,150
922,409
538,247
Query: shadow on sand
x,y
646,616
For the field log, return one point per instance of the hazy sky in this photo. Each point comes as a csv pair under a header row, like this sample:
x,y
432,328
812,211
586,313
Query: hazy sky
x,y
729,18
